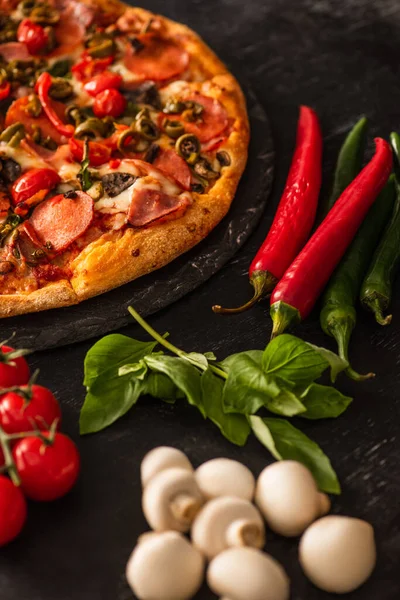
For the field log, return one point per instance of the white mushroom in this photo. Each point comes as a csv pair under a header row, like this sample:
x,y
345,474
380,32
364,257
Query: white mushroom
x,y
161,458
165,566
248,574
288,497
171,500
225,522
324,504
338,553
225,477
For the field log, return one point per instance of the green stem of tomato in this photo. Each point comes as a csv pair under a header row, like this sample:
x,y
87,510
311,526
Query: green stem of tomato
x,y
8,458
163,342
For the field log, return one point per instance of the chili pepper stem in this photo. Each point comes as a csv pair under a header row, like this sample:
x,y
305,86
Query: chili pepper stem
x,y
341,331
375,305
283,315
263,283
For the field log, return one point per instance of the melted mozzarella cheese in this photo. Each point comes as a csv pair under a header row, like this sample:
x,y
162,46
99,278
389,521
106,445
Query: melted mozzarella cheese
x,y
26,160
118,204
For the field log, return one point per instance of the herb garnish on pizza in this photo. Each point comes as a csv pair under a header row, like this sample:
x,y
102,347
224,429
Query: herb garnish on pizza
x,y
123,138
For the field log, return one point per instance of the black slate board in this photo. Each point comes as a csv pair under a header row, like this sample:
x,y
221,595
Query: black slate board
x,y
149,294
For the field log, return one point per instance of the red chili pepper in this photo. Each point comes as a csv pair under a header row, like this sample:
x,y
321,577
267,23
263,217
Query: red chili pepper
x,y
5,89
301,285
42,89
295,215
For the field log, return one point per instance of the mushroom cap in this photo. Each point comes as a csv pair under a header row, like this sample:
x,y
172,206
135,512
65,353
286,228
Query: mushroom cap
x,y
225,522
225,477
165,567
161,458
171,500
287,495
338,553
324,504
248,574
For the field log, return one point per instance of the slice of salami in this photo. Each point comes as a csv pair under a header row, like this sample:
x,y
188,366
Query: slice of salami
x,y
14,51
149,205
168,161
17,112
212,121
158,59
60,220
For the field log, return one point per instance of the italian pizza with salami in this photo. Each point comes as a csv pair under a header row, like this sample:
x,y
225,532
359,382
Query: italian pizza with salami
x,y
122,141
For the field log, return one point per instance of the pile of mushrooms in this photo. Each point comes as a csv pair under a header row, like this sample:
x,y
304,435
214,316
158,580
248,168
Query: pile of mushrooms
x,y
215,503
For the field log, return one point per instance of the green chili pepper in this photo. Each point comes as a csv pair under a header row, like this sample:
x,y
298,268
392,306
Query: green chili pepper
x,y
13,134
376,290
338,315
349,160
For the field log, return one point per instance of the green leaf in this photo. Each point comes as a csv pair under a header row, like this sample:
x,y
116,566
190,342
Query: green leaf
x,y
323,402
210,356
234,427
138,370
285,442
110,353
286,404
108,402
248,388
297,361
184,375
255,355
160,386
197,359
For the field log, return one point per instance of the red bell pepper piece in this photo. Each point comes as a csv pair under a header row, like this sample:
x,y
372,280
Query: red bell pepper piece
x,y
5,89
88,67
295,215
42,89
301,285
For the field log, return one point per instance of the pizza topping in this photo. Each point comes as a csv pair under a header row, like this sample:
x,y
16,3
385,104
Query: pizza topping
x,y
159,59
100,44
34,36
188,147
10,170
173,165
173,129
32,182
98,153
145,93
204,169
5,89
109,103
88,67
115,183
60,220
60,89
104,81
223,158
13,135
21,112
148,205
206,122
42,87
14,51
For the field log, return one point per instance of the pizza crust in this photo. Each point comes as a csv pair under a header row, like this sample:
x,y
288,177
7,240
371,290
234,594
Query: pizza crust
x,y
119,257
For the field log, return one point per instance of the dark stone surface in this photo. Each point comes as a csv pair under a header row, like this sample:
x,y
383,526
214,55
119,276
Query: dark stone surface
x,y
343,59
157,290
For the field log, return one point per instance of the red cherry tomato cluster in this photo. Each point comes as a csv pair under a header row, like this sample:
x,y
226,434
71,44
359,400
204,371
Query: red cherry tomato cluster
x,y
108,100
42,463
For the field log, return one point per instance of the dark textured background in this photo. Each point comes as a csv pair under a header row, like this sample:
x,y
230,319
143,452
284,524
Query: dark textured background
x,y
343,59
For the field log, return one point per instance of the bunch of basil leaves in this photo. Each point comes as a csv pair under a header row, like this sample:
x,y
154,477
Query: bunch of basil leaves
x,y
238,394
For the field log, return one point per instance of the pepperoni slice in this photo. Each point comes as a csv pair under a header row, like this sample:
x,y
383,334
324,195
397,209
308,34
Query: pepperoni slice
x,y
159,59
17,112
148,205
213,120
170,163
14,51
60,220
71,28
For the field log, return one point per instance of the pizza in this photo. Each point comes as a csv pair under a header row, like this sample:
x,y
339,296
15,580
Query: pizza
x,y
123,139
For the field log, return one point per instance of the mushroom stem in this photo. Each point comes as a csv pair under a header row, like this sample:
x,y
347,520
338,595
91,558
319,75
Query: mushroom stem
x,y
245,533
185,507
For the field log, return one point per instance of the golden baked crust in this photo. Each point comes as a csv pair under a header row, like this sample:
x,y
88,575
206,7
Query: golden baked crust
x,y
118,257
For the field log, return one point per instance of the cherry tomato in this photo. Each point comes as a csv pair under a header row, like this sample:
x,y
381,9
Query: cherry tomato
x,y
47,471
12,510
13,371
5,89
32,35
98,153
31,182
109,103
19,414
105,81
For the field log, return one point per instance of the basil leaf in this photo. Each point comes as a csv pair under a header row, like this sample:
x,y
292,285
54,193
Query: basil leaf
x,y
234,427
323,402
160,386
285,442
84,175
108,402
248,388
197,359
184,375
286,404
210,356
299,362
255,355
110,353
